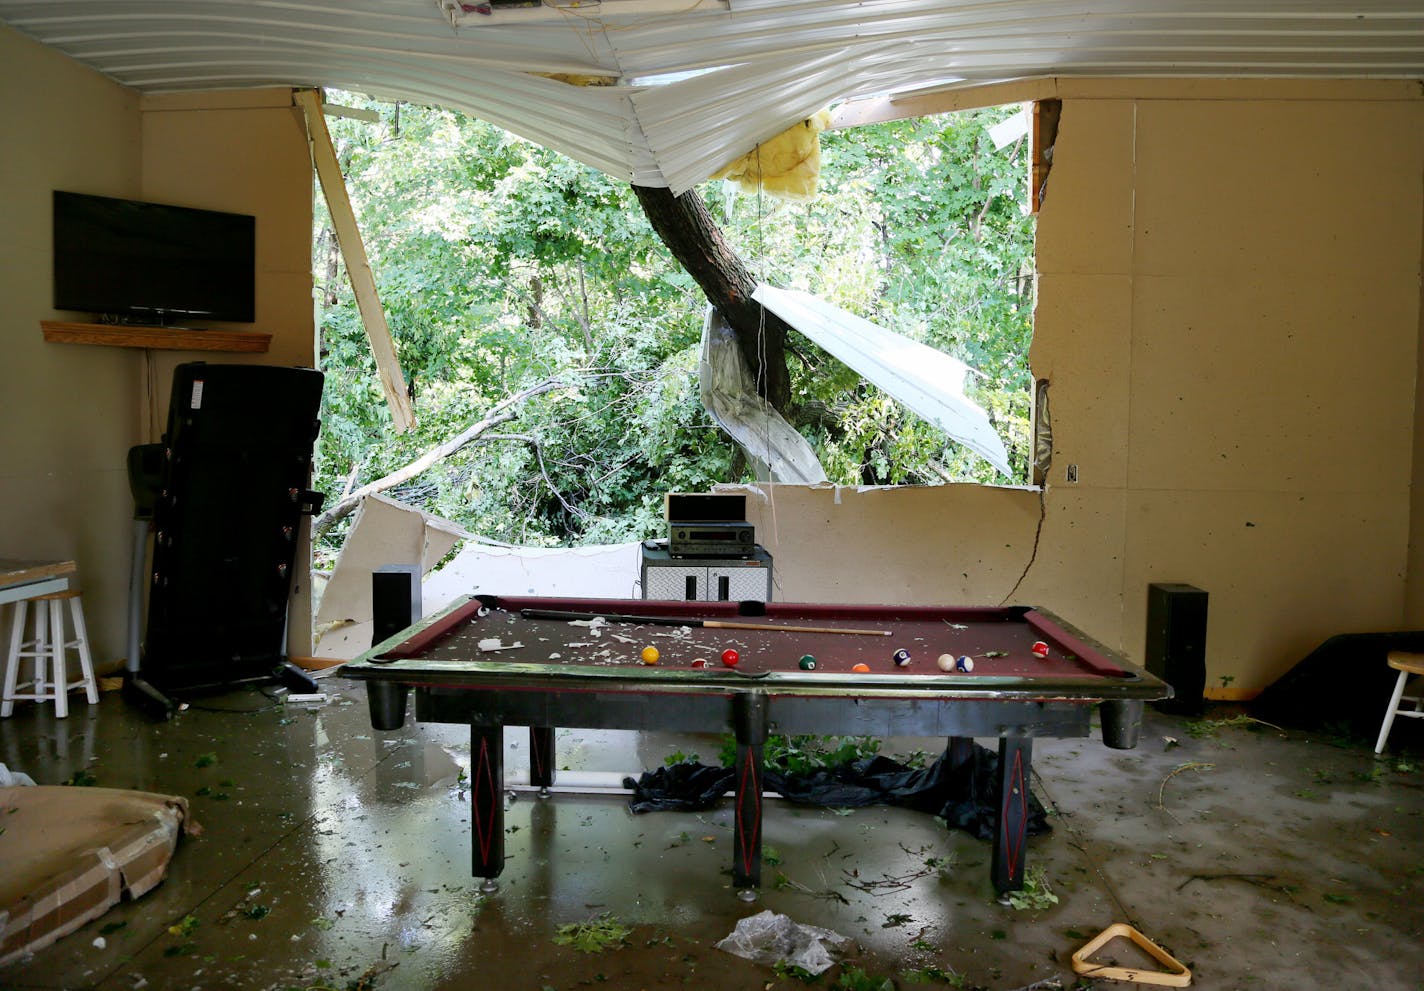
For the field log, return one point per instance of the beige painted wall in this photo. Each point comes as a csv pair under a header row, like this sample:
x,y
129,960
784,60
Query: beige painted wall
x,y
72,411
1229,315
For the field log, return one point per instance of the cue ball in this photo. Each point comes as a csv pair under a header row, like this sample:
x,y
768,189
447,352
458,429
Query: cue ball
x,y
901,657
730,657
650,655
808,663
946,662
1040,648
965,663
861,668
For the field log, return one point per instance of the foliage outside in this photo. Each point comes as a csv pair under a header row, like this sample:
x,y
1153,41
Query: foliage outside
x,y
502,264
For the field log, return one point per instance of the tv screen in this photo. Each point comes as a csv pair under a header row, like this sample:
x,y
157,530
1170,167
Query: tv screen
x,y
152,262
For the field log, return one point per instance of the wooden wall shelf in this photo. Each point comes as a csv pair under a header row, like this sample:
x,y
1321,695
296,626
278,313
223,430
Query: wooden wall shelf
x,y
164,338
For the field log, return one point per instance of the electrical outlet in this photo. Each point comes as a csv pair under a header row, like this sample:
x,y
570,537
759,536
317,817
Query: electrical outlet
x,y
1072,473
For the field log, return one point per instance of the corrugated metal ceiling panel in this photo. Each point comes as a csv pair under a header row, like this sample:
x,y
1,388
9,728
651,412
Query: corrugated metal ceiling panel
x,y
779,60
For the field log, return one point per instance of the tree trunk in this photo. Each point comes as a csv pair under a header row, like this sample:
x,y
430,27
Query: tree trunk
x,y
687,228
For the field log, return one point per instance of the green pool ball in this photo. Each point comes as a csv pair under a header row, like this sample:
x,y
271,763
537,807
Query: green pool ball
x,y
808,663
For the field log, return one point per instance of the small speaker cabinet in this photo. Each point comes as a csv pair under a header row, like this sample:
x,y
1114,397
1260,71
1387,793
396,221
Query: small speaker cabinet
x,y
1176,644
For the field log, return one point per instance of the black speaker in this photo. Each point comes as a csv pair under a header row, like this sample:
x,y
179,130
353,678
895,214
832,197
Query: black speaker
x,y
1176,644
395,600
236,464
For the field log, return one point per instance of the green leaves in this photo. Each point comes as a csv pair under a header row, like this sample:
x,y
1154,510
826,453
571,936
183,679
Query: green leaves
x,y
502,264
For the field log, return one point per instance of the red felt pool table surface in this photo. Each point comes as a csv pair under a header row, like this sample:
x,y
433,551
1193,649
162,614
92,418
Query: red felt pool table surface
x,y
490,635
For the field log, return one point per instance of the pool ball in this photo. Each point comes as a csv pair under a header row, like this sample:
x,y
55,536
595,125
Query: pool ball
x,y
965,663
650,655
946,662
700,662
861,668
1040,648
808,663
901,657
730,657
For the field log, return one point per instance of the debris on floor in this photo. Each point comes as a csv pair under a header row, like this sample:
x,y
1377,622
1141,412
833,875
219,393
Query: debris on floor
x,y
70,854
771,939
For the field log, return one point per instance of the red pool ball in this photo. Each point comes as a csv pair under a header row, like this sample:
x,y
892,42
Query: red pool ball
x,y
730,657
1040,648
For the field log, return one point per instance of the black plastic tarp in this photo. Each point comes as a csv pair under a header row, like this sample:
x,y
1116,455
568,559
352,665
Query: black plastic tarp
x,y
963,795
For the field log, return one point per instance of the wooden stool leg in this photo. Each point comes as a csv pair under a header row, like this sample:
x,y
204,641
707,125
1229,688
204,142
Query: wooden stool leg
x,y
60,683
1389,713
12,659
81,643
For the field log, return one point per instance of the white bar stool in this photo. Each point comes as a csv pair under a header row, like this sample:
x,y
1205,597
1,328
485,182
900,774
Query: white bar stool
x,y
46,651
1406,664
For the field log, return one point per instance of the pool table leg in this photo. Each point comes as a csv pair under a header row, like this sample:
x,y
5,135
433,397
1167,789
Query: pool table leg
x,y
749,723
541,758
959,751
1011,833
487,798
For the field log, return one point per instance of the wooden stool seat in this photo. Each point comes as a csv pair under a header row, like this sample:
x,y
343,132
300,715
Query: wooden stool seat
x,y
66,595
1406,664
46,649
1403,661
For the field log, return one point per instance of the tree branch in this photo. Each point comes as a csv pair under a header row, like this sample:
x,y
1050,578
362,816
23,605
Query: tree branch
x,y
500,412
686,226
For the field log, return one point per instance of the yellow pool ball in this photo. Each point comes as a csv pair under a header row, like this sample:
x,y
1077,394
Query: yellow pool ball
x,y
650,655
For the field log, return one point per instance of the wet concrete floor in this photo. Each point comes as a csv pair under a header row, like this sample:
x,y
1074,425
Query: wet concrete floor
x,y
335,857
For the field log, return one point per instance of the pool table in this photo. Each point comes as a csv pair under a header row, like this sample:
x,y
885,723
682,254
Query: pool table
x,y
492,661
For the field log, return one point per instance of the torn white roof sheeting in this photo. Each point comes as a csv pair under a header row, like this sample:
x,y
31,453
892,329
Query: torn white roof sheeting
x,y
777,60
929,382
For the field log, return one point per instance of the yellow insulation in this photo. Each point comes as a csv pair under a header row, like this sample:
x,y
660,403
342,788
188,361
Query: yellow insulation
x,y
576,80
787,166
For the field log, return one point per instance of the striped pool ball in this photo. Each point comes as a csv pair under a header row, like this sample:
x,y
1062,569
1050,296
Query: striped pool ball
x,y
901,657
965,664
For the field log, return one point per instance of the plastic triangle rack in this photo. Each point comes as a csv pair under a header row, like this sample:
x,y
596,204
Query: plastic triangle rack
x,y
1174,975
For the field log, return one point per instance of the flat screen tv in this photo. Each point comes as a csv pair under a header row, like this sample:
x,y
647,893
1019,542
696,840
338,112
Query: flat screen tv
x,y
148,262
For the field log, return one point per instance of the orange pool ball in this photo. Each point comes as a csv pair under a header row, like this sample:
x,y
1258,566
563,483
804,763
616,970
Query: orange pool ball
x,y
861,668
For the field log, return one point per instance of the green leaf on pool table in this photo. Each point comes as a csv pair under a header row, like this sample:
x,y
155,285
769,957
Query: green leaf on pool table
x,y
995,653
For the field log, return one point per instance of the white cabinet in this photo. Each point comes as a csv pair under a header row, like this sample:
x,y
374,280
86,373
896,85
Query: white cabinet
x,y
705,579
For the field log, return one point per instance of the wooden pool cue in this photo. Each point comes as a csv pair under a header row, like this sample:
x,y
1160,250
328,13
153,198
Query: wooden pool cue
x,y
714,624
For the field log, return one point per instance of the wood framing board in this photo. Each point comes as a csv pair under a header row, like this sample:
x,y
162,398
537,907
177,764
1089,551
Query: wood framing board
x,y
358,265
160,338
